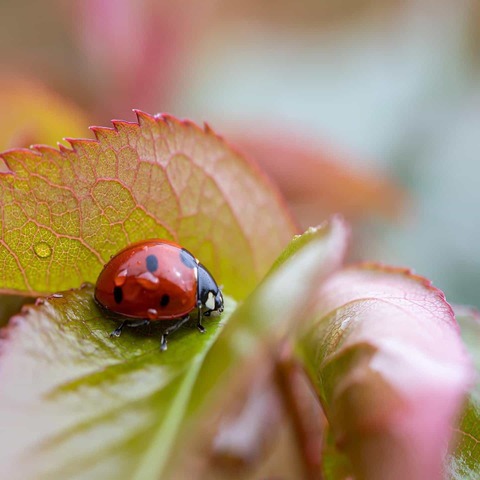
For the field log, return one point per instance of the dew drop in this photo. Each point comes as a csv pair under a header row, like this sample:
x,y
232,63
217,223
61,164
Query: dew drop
x,y
345,323
42,249
56,295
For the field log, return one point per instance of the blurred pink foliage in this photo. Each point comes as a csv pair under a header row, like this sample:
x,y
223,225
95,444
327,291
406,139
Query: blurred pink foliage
x,y
318,180
401,371
136,49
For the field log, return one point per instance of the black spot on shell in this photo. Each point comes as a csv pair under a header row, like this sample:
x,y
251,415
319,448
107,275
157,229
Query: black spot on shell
x,y
152,263
165,300
118,294
187,258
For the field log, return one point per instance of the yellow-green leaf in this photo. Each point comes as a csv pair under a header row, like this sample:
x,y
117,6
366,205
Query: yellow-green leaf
x,y
66,211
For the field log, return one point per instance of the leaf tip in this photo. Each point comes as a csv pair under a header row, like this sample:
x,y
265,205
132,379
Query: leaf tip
x,y
4,168
62,148
101,133
78,143
337,226
208,129
143,117
12,154
44,149
119,125
336,221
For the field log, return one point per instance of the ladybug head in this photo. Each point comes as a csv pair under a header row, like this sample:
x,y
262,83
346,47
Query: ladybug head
x,y
209,295
219,301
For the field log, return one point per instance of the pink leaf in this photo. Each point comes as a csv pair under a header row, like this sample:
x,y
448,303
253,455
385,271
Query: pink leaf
x,y
391,370
137,50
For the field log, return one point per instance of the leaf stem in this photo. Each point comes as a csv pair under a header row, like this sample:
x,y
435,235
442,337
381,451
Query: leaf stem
x,y
304,413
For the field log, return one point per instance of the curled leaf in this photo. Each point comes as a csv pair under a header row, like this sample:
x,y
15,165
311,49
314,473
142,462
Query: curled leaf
x,y
245,347
391,371
273,311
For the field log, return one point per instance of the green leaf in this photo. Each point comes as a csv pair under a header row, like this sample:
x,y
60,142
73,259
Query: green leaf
x,y
335,464
334,234
277,306
65,212
79,404
465,461
385,354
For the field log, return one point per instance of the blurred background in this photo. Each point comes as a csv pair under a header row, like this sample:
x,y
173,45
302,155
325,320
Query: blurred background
x,y
366,107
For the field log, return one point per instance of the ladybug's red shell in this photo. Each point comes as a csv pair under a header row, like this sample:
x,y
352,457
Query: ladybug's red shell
x,y
155,280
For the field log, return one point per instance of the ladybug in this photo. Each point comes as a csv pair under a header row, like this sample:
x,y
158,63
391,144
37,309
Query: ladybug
x,y
157,280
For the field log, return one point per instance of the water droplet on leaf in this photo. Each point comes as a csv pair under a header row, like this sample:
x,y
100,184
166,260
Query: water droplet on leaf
x,y
42,249
345,323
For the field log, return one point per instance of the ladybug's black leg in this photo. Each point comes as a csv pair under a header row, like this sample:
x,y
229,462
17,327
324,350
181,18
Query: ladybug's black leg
x,y
200,327
139,323
170,330
118,331
129,323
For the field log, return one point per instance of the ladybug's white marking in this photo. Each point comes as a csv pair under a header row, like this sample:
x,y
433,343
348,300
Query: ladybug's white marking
x,y
210,303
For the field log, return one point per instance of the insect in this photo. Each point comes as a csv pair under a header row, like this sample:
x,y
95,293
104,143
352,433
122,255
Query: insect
x,y
157,280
